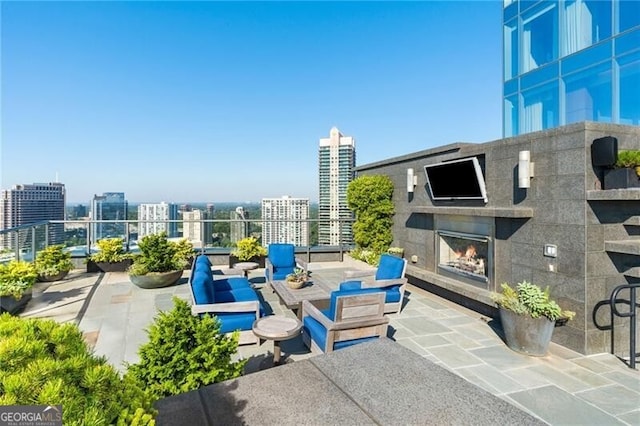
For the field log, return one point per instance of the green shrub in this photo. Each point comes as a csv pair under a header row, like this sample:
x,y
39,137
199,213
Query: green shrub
x,y
629,159
248,248
370,198
110,250
53,260
530,299
16,277
44,362
158,254
184,352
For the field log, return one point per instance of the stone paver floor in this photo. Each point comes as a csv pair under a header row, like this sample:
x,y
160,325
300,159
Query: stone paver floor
x,y
562,388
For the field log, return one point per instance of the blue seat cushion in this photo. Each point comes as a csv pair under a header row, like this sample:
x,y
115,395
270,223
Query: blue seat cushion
x,y
389,267
232,321
351,285
202,286
280,273
318,334
237,295
231,283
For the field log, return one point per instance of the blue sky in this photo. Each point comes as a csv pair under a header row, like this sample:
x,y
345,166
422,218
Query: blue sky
x,y
227,101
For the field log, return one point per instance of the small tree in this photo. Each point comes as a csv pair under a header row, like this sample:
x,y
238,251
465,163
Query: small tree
x,y
370,198
184,352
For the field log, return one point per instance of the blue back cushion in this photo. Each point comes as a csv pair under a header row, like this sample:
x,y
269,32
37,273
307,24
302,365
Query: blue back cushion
x,y
231,283
333,304
390,267
202,285
203,259
282,255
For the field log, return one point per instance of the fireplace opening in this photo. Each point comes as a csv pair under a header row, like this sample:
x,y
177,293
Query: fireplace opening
x,y
466,255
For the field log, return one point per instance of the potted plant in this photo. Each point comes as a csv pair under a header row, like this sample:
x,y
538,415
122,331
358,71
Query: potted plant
x,y
160,262
297,278
396,251
528,316
53,263
626,171
248,250
16,280
110,257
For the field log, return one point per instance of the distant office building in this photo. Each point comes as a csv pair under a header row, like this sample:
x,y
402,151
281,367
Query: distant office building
x,y
185,208
110,206
570,61
211,210
239,224
163,213
78,211
337,162
196,229
284,220
25,204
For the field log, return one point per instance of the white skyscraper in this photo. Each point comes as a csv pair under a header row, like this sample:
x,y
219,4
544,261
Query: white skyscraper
x,y
284,220
337,162
195,228
161,212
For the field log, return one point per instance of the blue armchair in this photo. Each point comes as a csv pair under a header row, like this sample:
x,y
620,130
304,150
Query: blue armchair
x,y
389,277
353,316
281,261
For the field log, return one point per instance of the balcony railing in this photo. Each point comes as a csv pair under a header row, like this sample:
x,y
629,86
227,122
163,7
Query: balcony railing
x,y
80,236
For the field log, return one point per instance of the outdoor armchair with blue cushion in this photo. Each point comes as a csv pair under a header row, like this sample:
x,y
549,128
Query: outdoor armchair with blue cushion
x,y
281,261
353,316
389,276
230,298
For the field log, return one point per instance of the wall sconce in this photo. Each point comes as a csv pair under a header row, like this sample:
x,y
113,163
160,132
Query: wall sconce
x,y
525,169
412,180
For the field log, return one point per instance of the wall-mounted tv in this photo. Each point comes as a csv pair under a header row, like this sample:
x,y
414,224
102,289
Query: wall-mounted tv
x,y
456,180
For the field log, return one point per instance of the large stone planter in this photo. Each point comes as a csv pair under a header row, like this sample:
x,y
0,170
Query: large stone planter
x,y
526,335
156,279
108,266
51,278
621,178
13,306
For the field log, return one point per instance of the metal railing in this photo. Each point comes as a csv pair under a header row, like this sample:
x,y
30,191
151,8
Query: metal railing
x,y
80,236
632,302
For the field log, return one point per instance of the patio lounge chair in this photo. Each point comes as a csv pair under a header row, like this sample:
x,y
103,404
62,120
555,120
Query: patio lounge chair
x,y
230,298
281,261
354,316
389,276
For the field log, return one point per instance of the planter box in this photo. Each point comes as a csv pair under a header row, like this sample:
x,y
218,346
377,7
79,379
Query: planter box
x,y
259,260
11,305
156,280
108,266
621,178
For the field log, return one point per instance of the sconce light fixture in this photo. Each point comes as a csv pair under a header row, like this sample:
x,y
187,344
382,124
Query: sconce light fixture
x,y
525,169
412,180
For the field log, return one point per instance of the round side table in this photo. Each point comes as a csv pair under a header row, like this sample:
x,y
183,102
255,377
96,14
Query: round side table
x,y
245,267
277,328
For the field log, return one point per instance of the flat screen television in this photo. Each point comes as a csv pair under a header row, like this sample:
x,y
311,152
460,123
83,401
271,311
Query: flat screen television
x,y
456,180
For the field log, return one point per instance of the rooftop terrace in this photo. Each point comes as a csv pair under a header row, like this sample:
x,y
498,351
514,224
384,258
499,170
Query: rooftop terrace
x,y
561,388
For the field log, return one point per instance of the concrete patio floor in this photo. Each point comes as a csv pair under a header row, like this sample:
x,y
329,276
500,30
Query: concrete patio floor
x,y
562,388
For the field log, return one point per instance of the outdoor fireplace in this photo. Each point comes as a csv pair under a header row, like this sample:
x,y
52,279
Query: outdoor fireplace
x,y
466,256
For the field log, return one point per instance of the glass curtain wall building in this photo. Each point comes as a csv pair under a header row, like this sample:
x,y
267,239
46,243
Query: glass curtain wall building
x,y
568,61
109,206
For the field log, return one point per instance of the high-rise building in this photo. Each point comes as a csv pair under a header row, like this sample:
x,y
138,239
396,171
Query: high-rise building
x,y
25,204
568,61
162,212
337,162
110,206
284,220
239,224
196,229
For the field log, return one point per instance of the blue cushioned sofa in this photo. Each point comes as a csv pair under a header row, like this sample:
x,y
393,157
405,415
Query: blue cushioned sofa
x,y
230,298
353,316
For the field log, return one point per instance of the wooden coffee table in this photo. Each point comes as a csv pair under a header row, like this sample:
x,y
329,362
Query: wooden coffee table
x,y
277,328
315,290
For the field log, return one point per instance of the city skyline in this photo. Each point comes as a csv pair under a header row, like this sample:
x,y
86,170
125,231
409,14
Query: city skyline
x,y
185,101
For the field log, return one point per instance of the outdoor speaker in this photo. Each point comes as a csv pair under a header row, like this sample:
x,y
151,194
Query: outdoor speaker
x,y
604,151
